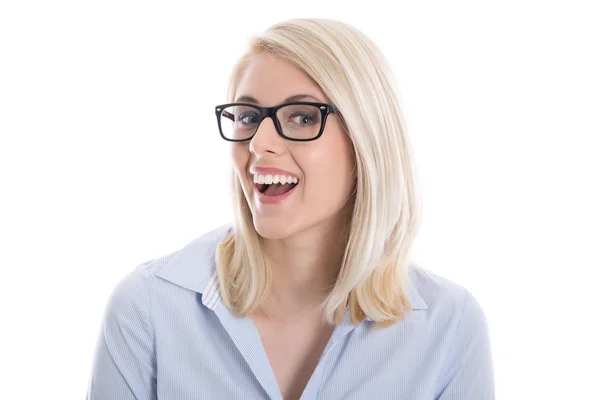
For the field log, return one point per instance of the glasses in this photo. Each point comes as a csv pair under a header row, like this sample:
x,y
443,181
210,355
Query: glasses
x,y
298,121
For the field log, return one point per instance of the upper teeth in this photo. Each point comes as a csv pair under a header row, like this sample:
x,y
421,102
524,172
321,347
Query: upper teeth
x,y
269,179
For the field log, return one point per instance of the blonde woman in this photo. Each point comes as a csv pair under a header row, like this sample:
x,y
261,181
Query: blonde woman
x,y
310,293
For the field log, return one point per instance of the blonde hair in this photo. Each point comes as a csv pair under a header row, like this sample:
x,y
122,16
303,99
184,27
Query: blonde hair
x,y
385,214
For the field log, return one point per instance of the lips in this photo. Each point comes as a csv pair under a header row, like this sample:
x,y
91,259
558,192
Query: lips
x,y
276,192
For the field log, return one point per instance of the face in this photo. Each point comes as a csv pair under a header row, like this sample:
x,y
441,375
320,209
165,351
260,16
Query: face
x,y
324,167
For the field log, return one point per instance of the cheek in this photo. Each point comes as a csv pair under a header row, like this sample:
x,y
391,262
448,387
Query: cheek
x,y
239,155
331,165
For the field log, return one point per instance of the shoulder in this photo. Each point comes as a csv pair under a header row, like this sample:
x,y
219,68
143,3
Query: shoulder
x,y
201,248
194,255
190,267
446,299
439,293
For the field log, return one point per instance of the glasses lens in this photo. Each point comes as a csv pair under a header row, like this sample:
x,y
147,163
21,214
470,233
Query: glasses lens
x,y
239,122
299,121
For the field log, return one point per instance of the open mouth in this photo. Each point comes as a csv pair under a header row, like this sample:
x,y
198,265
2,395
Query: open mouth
x,y
274,185
274,189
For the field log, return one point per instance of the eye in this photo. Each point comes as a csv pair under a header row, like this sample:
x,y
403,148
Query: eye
x,y
248,118
302,118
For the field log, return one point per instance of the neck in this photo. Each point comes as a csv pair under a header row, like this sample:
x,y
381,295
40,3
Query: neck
x,y
304,268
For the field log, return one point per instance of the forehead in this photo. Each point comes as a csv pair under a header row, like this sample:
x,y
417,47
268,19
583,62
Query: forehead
x,y
271,80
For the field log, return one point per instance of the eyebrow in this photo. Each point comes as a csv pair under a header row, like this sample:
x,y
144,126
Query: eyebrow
x,y
296,97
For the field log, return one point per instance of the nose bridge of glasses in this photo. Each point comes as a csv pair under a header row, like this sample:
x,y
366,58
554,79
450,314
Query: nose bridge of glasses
x,y
267,114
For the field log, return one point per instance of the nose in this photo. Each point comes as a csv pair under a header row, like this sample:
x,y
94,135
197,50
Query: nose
x,y
266,138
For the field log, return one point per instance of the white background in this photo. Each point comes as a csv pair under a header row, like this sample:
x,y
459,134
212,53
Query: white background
x,y
109,156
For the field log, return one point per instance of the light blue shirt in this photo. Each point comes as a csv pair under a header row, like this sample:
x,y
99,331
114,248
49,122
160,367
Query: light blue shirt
x,y
167,335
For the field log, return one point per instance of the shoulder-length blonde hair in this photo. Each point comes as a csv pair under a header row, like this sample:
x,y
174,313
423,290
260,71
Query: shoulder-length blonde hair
x,y
354,75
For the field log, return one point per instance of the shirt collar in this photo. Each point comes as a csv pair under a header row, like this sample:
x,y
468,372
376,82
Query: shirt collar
x,y
194,267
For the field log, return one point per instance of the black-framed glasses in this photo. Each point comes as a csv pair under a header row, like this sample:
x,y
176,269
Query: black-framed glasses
x,y
300,121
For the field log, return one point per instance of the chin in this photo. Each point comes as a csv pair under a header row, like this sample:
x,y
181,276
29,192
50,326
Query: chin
x,y
273,229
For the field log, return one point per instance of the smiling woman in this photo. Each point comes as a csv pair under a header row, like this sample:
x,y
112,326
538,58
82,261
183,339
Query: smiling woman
x,y
310,293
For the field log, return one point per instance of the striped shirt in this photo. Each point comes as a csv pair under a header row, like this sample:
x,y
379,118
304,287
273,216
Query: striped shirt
x,y
166,334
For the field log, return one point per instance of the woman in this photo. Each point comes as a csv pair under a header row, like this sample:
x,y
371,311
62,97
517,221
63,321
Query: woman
x,y
309,293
